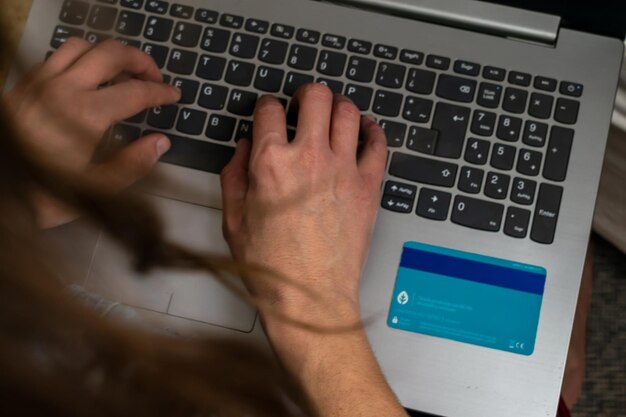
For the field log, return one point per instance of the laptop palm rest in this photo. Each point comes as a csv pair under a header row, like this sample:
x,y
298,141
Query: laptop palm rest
x,y
190,295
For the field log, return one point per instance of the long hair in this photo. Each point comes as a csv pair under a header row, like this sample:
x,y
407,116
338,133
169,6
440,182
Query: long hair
x,y
59,358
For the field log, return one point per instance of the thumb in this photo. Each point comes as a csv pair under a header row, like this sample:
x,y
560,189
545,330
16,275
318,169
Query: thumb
x,y
130,164
234,180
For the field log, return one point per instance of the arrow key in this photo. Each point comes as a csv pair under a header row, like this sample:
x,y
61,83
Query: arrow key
x,y
398,189
433,204
529,162
397,204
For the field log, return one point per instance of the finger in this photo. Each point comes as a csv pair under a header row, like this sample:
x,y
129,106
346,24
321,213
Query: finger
x,y
234,179
124,100
130,164
270,124
373,158
314,104
66,56
110,58
344,129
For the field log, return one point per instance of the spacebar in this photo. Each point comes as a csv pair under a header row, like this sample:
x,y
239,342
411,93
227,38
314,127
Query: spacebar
x,y
196,154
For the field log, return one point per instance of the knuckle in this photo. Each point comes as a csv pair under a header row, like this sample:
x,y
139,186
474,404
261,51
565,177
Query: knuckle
x,y
347,109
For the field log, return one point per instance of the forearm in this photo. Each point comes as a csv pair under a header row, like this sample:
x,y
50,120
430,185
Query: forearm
x,y
337,370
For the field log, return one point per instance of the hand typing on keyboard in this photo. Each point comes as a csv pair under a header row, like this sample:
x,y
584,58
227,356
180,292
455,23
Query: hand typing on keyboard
x,y
61,111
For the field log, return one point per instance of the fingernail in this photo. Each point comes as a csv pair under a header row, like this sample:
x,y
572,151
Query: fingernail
x,y
163,145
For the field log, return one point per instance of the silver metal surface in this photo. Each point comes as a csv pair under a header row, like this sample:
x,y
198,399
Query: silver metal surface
x,y
474,15
431,374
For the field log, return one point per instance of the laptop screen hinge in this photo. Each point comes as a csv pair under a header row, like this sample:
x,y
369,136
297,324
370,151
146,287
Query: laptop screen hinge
x,y
478,16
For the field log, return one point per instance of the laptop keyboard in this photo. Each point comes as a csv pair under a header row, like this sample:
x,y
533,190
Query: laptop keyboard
x,y
495,166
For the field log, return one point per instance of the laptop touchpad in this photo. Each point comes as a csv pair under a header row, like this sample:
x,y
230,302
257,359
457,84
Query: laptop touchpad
x,y
196,296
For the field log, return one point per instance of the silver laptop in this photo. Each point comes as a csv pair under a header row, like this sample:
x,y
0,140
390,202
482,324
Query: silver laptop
x,y
496,119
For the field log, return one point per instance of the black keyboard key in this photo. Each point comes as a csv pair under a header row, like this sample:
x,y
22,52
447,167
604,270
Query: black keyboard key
x,y
503,157
385,51
130,42
433,204
198,154
294,81
220,127
231,21
162,117
361,96
477,214
333,41
494,73
517,221
515,100
483,123
269,79
390,75
273,51
523,191
242,103
239,73
545,84
63,33
211,67
244,46
191,122
213,96
398,189
335,86
130,23
206,16
509,128
331,63
361,69
477,151
215,40
395,133
417,109
540,105
387,103
188,88
308,36
497,185
74,12
466,68
244,130
438,62
123,134
456,88
420,81
182,11
182,62
302,57
187,34
422,140
471,180
157,6
489,95
157,52
422,170
529,162
535,134
546,213
359,47
282,31
257,26
519,78
571,89
558,153
451,121
133,4
102,18
411,57
397,204
158,29
566,111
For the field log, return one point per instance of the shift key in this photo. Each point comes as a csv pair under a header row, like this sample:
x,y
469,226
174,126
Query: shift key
x,y
451,121
423,170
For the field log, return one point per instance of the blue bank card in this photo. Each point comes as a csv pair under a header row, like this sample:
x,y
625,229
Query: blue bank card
x,y
467,298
